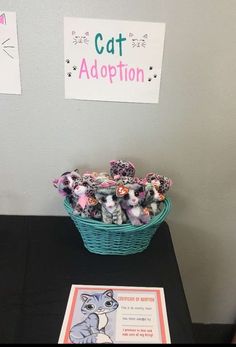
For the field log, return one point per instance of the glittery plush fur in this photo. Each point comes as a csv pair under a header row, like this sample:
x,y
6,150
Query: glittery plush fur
x,y
132,206
121,168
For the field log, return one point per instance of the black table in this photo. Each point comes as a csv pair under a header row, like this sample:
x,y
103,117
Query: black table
x,y
40,257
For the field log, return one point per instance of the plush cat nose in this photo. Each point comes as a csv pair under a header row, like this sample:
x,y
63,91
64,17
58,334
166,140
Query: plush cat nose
x,y
133,200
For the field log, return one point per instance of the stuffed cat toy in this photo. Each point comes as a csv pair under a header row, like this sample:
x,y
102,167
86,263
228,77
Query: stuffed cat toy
x,y
86,203
93,209
153,198
66,182
120,168
132,205
110,203
165,182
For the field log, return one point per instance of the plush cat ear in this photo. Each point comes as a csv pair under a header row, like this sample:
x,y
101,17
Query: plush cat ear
x,y
145,36
84,297
109,293
55,182
65,173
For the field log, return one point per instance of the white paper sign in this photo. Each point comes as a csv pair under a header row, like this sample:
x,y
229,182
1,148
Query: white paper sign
x,y
115,314
113,60
9,56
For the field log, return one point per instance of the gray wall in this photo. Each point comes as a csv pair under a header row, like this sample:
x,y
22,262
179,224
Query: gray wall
x,y
189,135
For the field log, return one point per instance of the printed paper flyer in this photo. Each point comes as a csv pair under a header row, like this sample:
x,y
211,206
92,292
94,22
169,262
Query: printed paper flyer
x,y
112,60
9,56
102,314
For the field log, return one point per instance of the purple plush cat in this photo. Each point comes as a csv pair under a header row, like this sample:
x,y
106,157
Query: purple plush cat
x,y
132,205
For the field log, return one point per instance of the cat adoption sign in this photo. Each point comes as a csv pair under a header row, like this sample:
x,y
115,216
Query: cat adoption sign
x,y
111,60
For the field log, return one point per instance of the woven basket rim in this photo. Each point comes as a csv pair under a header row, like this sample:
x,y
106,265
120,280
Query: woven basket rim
x,y
123,227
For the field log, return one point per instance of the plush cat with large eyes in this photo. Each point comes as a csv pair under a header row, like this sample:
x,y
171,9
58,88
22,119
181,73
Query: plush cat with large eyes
x,y
96,307
86,204
152,197
66,182
132,204
165,182
110,203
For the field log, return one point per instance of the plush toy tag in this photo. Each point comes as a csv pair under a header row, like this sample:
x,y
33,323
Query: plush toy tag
x,y
146,211
121,191
92,201
161,197
83,200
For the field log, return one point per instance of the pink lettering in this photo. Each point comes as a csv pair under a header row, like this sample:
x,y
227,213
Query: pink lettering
x,y
131,74
140,72
111,72
104,71
83,69
3,19
94,69
120,72
120,66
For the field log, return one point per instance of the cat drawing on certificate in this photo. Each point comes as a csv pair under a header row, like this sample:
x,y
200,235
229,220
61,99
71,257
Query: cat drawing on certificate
x,y
95,306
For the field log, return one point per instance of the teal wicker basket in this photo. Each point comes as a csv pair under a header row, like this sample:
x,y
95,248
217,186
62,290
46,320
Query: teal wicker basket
x,y
112,239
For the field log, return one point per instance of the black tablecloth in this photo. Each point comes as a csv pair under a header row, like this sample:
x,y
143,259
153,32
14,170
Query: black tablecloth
x,y
40,257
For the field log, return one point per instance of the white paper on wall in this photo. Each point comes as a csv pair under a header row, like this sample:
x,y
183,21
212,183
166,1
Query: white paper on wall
x,y
9,56
113,60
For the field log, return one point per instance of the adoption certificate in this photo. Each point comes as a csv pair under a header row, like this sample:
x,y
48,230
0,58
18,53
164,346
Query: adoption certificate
x,y
111,314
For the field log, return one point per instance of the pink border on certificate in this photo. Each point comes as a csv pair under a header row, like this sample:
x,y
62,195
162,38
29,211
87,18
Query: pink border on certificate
x,y
66,339
159,307
161,317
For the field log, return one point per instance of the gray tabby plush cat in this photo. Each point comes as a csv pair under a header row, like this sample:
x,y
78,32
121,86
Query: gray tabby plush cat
x,y
92,329
111,209
153,198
